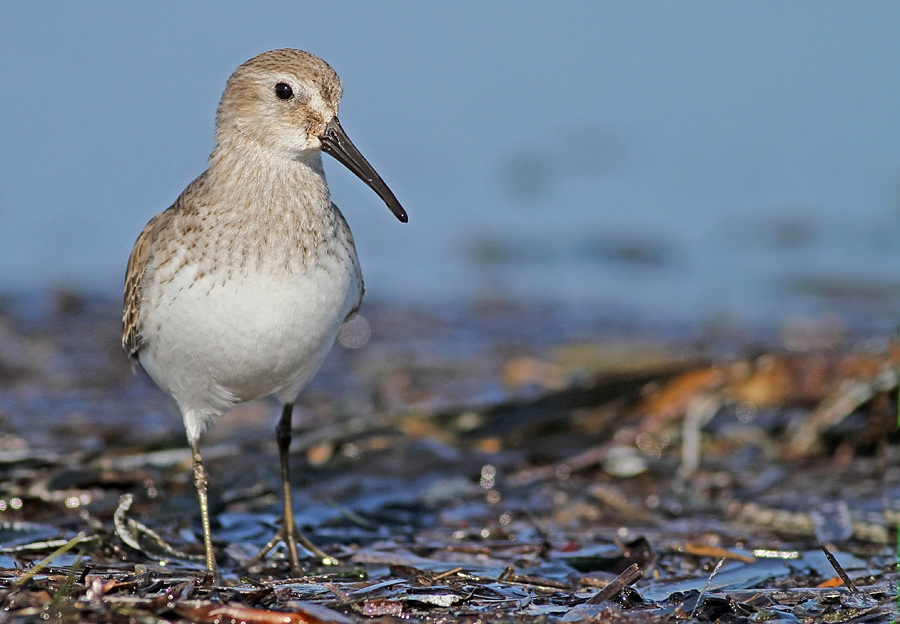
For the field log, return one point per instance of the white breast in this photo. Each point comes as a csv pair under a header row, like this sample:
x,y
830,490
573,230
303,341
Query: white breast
x,y
237,335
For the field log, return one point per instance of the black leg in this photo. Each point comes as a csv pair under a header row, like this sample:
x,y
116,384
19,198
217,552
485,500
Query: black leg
x,y
288,526
288,532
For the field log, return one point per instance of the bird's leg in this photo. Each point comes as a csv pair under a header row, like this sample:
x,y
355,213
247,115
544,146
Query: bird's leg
x,y
288,527
201,482
289,534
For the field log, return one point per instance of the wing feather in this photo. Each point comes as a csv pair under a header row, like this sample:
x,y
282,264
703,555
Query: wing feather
x,y
134,277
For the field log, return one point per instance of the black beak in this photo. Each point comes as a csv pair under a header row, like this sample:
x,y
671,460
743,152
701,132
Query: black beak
x,y
336,142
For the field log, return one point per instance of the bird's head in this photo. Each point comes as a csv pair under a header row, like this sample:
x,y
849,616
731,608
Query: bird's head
x,y
286,103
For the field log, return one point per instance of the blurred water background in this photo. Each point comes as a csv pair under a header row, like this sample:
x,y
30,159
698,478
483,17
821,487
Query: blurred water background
x,y
668,161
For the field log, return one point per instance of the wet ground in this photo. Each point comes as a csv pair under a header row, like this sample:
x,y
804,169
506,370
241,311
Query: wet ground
x,y
486,463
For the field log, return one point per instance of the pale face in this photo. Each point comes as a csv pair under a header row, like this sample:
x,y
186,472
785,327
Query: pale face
x,y
281,101
285,102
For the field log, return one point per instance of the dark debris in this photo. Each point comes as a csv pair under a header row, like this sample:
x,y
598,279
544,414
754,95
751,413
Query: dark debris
x,y
491,464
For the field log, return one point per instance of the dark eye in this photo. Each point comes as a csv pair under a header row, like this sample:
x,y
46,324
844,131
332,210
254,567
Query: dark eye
x,y
283,91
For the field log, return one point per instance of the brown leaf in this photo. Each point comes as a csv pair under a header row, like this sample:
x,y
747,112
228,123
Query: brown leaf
x,y
226,614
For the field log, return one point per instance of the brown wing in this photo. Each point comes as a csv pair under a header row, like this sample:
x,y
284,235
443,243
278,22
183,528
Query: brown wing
x,y
141,255
134,276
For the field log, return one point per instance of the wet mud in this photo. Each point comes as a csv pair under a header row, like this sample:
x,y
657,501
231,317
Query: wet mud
x,y
486,463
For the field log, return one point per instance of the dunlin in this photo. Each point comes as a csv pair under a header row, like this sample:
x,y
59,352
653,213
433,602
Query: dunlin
x,y
238,289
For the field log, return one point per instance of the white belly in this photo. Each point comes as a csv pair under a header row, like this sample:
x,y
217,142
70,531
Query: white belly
x,y
223,339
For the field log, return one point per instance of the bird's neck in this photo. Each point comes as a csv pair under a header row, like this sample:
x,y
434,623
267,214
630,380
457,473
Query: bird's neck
x,y
275,210
252,179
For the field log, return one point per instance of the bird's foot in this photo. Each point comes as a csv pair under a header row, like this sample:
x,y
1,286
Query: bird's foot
x,y
290,536
211,578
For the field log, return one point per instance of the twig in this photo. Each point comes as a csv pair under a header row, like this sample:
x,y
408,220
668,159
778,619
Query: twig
x,y
43,563
839,569
450,573
63,590
857,599
705,587
631,574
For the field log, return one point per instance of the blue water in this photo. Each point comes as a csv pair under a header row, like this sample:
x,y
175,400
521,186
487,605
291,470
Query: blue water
x,y
675,160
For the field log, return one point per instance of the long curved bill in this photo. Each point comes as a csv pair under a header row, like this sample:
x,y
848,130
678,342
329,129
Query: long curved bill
x,y
336,143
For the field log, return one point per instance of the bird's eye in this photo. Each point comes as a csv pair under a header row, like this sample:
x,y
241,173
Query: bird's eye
x,y
283,91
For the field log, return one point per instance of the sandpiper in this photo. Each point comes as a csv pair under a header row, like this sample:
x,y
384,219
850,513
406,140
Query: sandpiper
x,y
238,289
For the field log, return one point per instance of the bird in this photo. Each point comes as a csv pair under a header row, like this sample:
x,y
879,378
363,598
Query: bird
x,y
237,290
